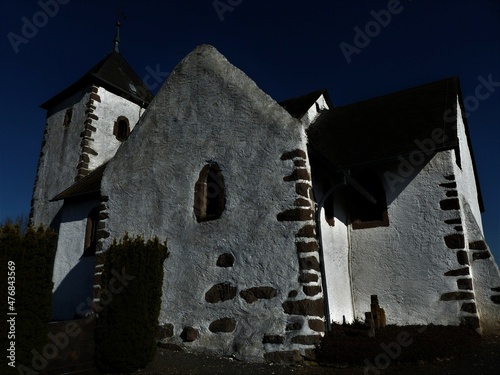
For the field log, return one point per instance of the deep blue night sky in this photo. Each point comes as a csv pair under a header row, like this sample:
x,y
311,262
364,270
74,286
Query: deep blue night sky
x,y
288,48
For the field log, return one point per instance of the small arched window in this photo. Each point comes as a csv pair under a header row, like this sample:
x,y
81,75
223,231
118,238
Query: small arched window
x,y
68,115
91,233
365,214
121,129
209,194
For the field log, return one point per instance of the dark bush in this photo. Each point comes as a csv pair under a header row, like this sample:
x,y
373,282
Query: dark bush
x,y
126,328
29,258
403,344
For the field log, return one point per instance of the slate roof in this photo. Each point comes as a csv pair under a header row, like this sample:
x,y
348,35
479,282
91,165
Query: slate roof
x,y
388,126
298,107
90,184
115,74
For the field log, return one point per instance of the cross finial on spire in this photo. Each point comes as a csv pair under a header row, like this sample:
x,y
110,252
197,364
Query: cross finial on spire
x,y
117,37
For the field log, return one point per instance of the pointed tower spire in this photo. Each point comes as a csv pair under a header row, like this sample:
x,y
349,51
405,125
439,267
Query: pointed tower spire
x,y
117,37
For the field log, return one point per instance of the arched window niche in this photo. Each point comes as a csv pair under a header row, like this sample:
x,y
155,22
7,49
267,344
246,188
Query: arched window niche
x,y
209,194
365,214
91,232
121,129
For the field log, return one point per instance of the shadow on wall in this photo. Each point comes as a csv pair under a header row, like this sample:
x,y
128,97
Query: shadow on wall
x,y
70,299
396,176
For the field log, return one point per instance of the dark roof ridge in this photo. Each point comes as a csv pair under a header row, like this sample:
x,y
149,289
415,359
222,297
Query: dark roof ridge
x,y
115,73
453,79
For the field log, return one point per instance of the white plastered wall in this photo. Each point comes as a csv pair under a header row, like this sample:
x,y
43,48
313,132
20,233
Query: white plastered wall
x,y
73,274
404,263
465,178
209,111
60,155
108,110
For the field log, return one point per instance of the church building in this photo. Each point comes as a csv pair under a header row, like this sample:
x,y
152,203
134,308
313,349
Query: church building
x,y
280,218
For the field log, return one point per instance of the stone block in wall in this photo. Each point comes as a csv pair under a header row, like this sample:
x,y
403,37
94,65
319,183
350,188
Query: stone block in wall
x,y
165,331
306,307
462,257
225,325
450,204
189,334
316,325
299,163
296,214
309,263
469,307
478,245
308,278
307,231
478,255
302,189
273,339
307,247
310,354
464,284
458,272
455,296
294,154
311,290
455,241
220,292
302,202
298,174
306,339
449,185
261,292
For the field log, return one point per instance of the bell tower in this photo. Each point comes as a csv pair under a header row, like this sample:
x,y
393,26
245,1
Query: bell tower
x,y
85,125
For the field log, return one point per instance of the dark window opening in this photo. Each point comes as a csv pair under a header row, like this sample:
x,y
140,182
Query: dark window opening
x,y
91,233
67,117
121,129
328,203
365,214
209,199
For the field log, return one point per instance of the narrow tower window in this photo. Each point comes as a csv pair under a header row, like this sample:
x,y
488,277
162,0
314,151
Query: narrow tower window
x,y
209,195
121,129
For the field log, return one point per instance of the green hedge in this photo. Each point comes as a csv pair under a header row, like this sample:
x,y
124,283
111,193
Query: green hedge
x,y
127,325
29,257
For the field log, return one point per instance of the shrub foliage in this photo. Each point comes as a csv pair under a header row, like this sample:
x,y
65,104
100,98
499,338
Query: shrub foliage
x,y
29,258
127,325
